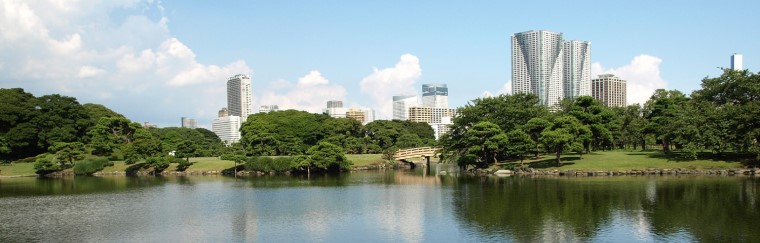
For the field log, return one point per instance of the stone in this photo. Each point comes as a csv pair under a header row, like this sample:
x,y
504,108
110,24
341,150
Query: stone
x,y
504,172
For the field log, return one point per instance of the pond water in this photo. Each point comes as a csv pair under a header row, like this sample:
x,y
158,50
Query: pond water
x,y
380,206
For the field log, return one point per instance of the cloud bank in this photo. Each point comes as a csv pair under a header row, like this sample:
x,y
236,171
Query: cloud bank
x,y
642,77
131,64
382,84
311,93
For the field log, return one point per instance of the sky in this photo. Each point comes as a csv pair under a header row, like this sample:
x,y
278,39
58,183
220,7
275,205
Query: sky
x,y
158,61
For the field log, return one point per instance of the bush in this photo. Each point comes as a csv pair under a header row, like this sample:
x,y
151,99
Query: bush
x,y
44,166
268,164
89,166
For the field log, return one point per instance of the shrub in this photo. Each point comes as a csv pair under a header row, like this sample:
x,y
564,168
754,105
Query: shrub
x,y
44,166
89,166
268,164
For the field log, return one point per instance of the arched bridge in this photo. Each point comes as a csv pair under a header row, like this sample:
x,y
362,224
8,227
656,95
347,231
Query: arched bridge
x,y
412,153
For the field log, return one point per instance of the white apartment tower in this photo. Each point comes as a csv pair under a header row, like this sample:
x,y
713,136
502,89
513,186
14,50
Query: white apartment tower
x,y
239,100
577,64
537,65
610,90
736,61
435,95
227,128
401,104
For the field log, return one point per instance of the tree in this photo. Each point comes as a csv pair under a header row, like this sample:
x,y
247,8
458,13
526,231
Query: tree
x,y
67,153
110,133
17,110
185,149
661,110
534,127
563,133
518,144
409,140
44,166
143,146
328,157
486,141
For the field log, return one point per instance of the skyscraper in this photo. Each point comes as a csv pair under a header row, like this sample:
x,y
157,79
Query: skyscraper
x,y
537,65
552,69
610,90
227,128
239,100
189,122
577,69
435,95
401,104
334,104
736,61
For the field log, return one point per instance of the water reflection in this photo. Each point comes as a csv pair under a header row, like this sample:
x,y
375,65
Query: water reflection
x,y
586,209
396,206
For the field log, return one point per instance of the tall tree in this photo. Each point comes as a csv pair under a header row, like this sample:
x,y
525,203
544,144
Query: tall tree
x,y
565,132
486,141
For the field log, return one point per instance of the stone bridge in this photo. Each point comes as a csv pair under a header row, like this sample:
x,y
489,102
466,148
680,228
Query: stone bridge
x,y
404,155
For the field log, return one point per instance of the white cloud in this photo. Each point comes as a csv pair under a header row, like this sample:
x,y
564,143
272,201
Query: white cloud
x,y
383,84
90,71
131,64
311,93
642,77
504,89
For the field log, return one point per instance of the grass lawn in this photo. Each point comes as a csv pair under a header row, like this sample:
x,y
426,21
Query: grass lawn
x,y
365,159
628,160
17,169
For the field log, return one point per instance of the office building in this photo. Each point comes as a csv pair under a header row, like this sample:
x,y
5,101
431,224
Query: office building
x,y
610,90
435,95
189,123
439,129
549,67
239,96
576,80
356,114
223,112
537,65
147,125
736,61
429,114
227,128
334,104
401,104
268,108
369,115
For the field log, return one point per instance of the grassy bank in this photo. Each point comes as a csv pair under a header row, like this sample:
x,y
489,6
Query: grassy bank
x,y
198,164
629,160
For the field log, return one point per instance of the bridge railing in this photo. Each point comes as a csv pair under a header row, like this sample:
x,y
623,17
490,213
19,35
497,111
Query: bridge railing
x,y
416,152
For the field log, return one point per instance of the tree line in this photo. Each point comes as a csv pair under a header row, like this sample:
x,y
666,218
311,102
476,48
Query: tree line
x,y
722,118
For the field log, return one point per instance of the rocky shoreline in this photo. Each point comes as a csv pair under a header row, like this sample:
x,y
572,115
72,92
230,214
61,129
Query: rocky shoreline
x,y
480,172
530,171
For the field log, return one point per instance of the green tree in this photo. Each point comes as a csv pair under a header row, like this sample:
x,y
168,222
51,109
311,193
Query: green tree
x,y
519,143
328,157
44,166
185,149
486,141
534,127
661,110
144,146
565,132
17,110
110,133
409,140
67,153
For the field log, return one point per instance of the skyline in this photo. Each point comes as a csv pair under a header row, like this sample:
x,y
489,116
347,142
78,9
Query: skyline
x,y
158,61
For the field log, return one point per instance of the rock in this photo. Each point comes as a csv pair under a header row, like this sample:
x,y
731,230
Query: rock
x,y
504,172
442,173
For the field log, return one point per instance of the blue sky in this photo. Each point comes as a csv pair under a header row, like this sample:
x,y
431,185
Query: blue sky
x,y
157,61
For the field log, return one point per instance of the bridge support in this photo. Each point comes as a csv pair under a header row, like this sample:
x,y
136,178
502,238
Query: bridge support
x,y
427,164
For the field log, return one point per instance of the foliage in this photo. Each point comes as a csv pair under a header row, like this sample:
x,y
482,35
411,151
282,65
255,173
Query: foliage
x,y
328,157
565,132
67,153
89,166
268,164
44,166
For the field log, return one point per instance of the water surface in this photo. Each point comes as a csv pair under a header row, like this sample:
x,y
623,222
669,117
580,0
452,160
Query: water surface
x,y
395,206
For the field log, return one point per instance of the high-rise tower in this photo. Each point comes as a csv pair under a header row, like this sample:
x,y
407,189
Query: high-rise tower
x,y
537,65
401,104
435,95
736,61
576,80
239,100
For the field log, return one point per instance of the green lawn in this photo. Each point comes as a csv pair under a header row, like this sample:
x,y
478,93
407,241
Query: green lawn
x,y
17,169
628,160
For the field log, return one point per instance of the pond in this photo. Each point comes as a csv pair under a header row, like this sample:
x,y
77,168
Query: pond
x,y
380,206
